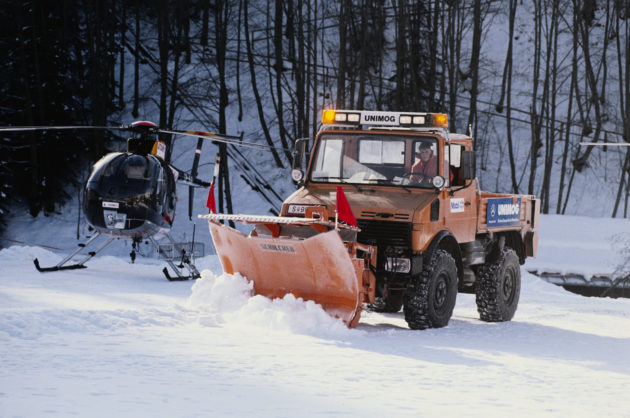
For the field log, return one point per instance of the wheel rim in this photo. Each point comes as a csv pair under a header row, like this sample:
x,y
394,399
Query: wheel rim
x,y
441,291
509,285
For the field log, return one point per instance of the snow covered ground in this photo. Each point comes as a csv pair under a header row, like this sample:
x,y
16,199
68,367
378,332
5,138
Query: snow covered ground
x,y
117,339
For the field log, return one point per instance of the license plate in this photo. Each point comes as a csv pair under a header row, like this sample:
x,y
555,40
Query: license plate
x,y
297,209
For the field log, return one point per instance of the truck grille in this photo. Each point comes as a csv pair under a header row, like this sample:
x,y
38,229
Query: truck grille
x,y
397,216
383,233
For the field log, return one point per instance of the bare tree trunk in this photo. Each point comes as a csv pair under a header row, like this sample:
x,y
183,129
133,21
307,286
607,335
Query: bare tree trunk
x,y
300,75
564,157
552,49
252,73
221,24
238,63
136,64
204,23
622,183
401,52
572,89
454,41
474,68
277,41
163,46
308,67
433,54
624,104
624,80
582,27
315,77
506,89
536,143
174,83
123,38
363,64
344,9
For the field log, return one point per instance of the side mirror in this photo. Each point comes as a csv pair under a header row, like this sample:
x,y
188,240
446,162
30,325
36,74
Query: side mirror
x,y
297,173
468,165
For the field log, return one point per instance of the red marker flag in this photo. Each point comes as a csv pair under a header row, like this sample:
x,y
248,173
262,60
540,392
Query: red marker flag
x,y
344,211
210,203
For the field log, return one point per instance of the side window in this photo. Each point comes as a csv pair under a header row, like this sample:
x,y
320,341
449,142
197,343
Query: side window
x,y
455,165
328,163
425,157
427,145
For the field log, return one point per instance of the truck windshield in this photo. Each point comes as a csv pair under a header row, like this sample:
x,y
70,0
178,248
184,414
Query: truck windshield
x,y
375,159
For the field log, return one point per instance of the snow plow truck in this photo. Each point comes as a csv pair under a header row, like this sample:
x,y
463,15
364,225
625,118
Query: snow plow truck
x,y
388,214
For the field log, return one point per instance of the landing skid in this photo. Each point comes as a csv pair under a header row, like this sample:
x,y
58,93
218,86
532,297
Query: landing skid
x,y
81,264
183,253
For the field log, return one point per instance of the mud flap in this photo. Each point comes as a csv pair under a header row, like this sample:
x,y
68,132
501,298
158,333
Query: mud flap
x,y
319,268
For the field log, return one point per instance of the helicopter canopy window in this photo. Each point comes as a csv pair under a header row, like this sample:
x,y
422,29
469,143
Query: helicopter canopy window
x,y
137,167
127,175
367,159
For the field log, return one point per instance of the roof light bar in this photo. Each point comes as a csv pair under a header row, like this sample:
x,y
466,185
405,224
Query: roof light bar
x,y
378,118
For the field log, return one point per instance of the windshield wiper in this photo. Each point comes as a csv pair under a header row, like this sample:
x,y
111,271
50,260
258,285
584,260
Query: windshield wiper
x,y
341,180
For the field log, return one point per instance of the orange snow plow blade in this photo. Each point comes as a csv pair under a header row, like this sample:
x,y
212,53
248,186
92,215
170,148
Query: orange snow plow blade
x,y
320,268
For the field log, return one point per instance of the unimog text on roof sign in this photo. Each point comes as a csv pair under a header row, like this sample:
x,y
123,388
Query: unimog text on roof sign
x,y
379,118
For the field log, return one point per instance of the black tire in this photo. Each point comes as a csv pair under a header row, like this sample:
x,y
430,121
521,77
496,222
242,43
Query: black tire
x,y
430,296
390,303
499,287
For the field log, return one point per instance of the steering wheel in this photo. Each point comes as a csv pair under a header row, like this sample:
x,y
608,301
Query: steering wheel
x,y
424,178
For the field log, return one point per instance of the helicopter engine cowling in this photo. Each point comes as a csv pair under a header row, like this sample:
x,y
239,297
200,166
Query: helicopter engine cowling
x,y
130,195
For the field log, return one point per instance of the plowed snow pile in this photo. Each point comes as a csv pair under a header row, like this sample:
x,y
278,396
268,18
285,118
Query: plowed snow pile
x,y
228,299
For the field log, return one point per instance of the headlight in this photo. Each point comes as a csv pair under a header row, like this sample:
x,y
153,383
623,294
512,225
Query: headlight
x,y
296,175
398,265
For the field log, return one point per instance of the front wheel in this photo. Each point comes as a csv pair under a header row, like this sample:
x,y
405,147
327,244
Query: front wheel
x,y
430,296
499,288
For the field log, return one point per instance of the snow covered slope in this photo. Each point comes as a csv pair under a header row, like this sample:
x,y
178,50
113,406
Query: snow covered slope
x,y
117,339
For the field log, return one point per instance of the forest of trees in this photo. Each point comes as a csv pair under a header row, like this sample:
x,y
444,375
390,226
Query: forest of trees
x,y
563,78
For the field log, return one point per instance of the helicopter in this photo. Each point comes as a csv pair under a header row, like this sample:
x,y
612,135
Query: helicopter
x,y
132,195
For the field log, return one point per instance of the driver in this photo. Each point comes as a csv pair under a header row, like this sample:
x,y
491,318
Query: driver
x,y
426,167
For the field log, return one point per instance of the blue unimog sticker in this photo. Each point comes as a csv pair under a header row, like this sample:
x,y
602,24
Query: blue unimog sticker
x,y
503,212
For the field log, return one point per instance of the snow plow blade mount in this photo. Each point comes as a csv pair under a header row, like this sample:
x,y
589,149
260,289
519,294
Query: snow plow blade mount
x,y
321,268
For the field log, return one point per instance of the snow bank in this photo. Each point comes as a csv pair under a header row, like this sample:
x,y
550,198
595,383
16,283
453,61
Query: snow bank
x,y
229,300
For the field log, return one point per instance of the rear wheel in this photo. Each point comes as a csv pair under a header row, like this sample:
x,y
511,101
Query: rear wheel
x,y
430,296
499,287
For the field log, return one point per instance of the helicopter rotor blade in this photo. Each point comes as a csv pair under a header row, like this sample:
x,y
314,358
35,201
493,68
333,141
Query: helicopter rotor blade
x,y
148,127
228,139
56,128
